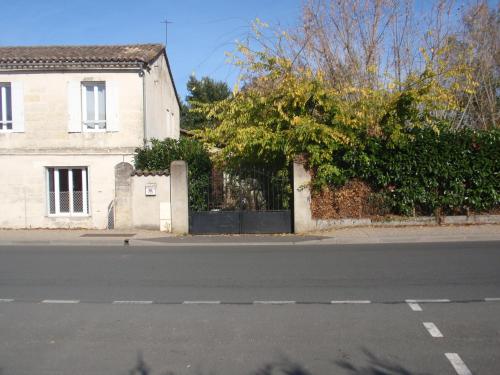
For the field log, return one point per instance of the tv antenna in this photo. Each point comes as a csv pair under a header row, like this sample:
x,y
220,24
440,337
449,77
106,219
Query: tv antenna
x,y
166,22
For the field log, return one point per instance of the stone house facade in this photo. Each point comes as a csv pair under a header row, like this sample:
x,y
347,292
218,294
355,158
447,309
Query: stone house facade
x,y
68,116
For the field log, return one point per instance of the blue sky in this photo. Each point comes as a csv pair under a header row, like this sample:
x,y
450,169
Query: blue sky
x,y
200,34
202,30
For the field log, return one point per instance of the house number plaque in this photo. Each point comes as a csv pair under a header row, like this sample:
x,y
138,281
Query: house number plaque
x,y
150,190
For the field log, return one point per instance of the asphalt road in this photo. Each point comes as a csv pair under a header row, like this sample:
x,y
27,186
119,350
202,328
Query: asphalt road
x,y
382,273
84,310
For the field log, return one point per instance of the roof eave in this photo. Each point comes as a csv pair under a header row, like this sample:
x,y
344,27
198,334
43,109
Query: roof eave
x,y
73,66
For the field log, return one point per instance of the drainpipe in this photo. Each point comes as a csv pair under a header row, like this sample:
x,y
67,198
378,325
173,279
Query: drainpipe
x,y
143,75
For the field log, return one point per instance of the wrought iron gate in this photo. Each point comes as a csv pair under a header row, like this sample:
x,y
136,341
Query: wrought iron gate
x,y
243,201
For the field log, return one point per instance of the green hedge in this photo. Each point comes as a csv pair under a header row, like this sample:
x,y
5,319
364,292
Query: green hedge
x,y
160,154
450,171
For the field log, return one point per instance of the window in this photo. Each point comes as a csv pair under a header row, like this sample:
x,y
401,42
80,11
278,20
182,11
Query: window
x,y
5,107
67,191
94,106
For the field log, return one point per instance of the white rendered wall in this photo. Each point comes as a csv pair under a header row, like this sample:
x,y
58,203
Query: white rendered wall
x,y
47,142
162,108
23,187
46,113
146,209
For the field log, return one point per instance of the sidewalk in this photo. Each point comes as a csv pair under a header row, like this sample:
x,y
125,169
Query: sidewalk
x,y
364,235
412,234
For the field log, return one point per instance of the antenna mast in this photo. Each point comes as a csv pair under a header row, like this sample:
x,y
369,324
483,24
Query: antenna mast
x,y
166,22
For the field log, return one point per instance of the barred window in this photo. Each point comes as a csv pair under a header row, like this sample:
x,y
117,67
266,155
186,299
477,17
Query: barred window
x,y
67,191
5,107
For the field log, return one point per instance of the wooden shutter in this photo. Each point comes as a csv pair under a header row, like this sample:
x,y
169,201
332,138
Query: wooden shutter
x,y
74,107
17,93
112,106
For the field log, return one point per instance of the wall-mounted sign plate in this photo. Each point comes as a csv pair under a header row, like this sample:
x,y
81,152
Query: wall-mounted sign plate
x,y
150,190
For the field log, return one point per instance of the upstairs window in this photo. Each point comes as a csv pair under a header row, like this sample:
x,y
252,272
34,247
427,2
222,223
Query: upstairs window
x,y
94,106
5,107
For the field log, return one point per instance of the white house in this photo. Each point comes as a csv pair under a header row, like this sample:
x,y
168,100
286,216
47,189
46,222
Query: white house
x,y
68,116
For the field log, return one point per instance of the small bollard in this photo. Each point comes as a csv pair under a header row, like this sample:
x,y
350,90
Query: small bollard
x,y
126,242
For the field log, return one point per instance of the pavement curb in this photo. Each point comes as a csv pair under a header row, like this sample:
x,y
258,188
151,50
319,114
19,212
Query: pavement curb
x,y
324,242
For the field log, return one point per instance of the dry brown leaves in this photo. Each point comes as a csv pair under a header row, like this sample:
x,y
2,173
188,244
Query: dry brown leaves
x,y
348,201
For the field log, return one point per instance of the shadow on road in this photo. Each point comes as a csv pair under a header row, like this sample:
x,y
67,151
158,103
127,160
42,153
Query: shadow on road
x,y
284,366
281,367
375,366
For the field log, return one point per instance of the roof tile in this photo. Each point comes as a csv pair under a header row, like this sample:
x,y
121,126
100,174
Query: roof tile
x,y
61,55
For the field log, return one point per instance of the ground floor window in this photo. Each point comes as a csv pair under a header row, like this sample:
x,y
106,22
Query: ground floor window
x,y
67,191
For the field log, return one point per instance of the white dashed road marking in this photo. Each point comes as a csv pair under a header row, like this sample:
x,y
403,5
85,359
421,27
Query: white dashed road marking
x,y
351,301
433,329
274,302
457,363
60,301
132,302
201,303
6,300
413,305
492,299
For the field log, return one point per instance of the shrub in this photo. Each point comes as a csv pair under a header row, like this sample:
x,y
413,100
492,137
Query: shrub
x,y
451,170
160,154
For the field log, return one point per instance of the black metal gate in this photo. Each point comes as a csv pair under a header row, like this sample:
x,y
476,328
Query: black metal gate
x,y
243,201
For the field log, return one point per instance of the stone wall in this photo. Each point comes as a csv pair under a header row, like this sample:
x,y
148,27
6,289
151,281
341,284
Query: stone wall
x,y
23,190
47,113
156,200
304,221
151,202
162,108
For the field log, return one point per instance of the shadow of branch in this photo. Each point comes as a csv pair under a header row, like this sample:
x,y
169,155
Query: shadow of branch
x,y
284,366
375,366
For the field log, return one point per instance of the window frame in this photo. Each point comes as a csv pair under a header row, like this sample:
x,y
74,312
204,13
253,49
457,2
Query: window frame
x,y
85,121
4,109
57,197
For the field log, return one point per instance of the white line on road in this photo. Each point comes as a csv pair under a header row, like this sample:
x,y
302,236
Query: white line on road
x,y
492,299
201,303
274,302
132,302
458,364
350,301
415,306
433,329
6,300
60,301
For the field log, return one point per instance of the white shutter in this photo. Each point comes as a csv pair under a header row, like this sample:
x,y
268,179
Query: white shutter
x,y
74,107
17,107
112,106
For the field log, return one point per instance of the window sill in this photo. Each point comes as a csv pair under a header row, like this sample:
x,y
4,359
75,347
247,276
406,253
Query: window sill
x,y
62,215
95,130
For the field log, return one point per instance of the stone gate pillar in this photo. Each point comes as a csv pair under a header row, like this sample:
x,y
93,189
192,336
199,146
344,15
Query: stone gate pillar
x,y
179,197
302,217
123,196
